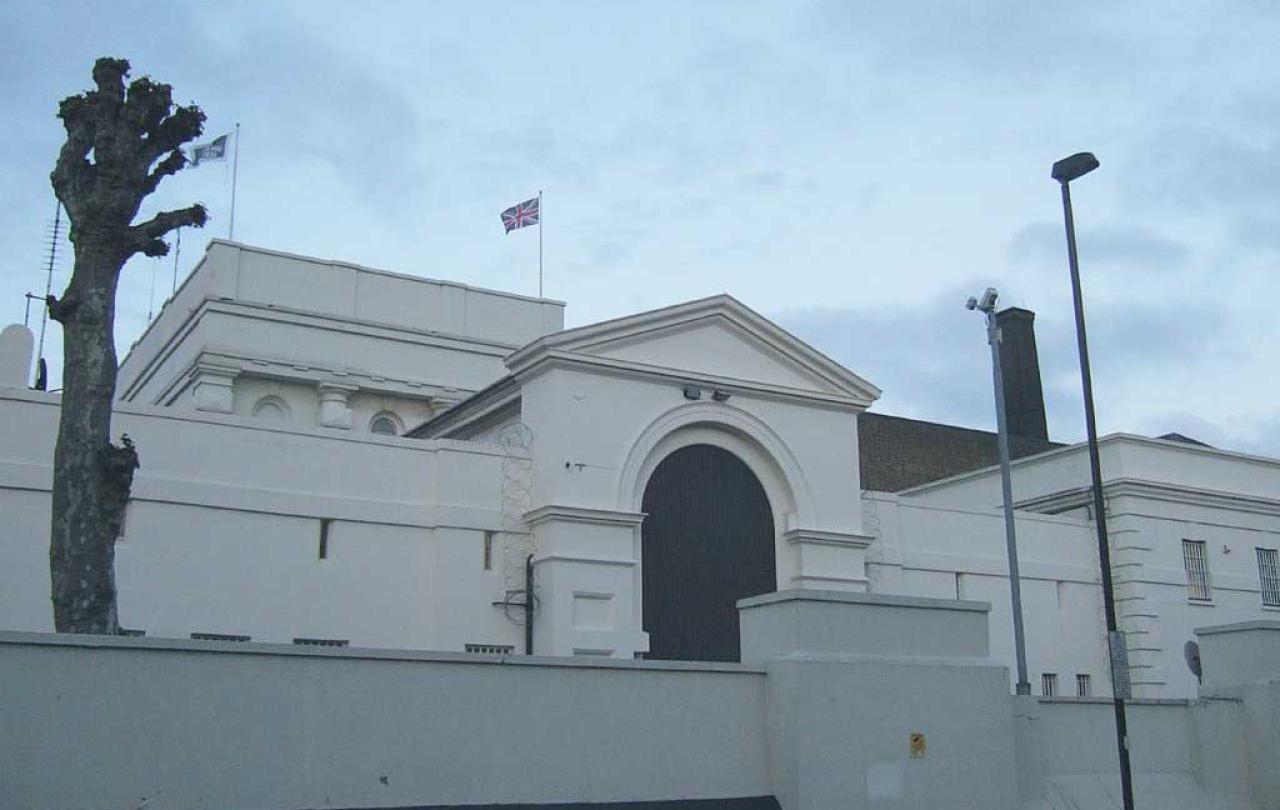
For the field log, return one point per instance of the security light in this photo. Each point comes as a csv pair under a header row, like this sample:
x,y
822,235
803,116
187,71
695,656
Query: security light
x,y
986,304
720,396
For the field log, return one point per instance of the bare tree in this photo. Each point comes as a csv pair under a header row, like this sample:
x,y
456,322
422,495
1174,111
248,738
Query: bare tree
x,y
120,144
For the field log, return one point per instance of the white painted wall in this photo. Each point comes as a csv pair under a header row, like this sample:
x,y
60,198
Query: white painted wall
x,y
264,316
207,724
825,718
222,532
956,553
1157,494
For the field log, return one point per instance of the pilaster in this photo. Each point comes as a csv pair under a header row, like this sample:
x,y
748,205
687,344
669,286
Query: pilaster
x,y
828,560
586,578
212,387
334,410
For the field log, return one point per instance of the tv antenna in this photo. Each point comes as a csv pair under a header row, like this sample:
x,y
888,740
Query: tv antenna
x,y
53,235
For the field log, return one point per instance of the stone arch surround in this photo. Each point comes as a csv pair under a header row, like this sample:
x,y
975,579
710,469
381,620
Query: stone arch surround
x,y
746,437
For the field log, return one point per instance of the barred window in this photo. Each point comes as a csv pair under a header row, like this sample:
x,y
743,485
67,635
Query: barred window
x,y
1049,684
1083,686
1196,560
1269,576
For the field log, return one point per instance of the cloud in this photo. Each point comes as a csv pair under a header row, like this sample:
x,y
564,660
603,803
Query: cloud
x,y
1044,243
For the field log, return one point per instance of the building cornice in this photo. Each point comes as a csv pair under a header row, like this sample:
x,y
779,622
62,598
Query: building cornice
x,y
1152,490
302,319
556,359
818,537
578,514
230,363
723,308
471,410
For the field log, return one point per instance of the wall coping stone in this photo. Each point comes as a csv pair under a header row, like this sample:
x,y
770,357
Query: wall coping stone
x,y
16,638
872,599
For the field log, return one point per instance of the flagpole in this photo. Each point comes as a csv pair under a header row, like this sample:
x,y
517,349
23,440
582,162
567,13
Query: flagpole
x,y
235,172
177,250
539,243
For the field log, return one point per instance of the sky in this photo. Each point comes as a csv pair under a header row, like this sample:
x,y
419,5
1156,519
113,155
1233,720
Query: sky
x,y
852,170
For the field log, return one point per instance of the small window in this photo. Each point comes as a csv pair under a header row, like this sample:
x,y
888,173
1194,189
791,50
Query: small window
x,y
320,642
1269,576
385,424
131,633
1196,560
219,637
488,551
1049,684
490,649
1084,688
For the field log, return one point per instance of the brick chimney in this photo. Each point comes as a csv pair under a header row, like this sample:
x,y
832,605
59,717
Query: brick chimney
x,y
1023,392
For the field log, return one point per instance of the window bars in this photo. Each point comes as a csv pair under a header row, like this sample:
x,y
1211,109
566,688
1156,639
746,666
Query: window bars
x,y
1196,561
1083,686
1049,684
1269,576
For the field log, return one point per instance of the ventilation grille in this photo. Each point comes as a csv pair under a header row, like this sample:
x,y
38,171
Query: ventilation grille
x,y
219,637
491,649
321,642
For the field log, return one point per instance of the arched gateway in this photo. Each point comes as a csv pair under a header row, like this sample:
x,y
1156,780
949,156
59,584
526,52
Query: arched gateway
x,y
707,541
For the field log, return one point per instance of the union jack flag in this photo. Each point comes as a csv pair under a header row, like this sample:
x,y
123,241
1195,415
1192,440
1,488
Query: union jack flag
x,y
520,215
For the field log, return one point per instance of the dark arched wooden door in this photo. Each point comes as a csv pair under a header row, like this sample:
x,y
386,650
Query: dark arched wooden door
x,y
707,541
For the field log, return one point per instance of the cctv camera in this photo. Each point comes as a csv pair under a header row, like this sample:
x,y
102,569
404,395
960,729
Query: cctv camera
x,y
988,302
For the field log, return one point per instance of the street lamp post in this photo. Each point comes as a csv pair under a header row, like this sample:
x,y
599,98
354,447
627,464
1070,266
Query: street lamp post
x,y
1064,171
987,306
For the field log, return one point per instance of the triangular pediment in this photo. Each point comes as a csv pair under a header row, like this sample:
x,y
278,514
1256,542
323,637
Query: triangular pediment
x,y
718,339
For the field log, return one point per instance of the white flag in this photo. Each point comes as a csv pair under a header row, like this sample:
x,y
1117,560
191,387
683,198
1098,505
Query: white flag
x,y
215,149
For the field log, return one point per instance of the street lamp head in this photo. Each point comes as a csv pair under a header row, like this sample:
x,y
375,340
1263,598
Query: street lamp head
x,y
1070,168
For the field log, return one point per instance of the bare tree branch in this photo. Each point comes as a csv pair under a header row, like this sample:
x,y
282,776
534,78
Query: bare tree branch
x,y
146,237
172,164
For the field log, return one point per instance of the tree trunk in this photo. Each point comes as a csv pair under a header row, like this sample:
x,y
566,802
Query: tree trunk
x,y
134,138
92,487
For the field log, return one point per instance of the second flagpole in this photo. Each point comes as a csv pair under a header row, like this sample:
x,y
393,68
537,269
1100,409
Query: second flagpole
x,y
235,174
539,243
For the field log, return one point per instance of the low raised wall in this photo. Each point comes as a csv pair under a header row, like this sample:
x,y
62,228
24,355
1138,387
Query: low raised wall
x,y
827,718
1184,754
112,722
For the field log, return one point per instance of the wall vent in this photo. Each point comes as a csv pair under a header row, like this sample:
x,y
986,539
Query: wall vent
x,y
321,642
491,649
219,637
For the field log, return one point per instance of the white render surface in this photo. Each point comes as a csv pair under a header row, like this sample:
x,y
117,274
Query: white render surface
x,y
1157,493
253,396
251,326
820,723
219,725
